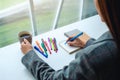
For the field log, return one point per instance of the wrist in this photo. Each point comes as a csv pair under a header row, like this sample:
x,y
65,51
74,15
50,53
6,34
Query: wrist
x,y
28,51
89,42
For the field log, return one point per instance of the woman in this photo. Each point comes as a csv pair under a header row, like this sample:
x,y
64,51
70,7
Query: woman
x,y
99,60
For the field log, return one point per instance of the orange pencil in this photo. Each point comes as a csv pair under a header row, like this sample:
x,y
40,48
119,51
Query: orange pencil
x,y
39,46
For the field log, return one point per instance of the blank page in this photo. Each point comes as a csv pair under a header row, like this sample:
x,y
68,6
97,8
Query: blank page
x,y
66,47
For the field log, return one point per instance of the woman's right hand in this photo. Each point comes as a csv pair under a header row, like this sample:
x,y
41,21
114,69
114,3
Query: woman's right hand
x,y
26,46
80,41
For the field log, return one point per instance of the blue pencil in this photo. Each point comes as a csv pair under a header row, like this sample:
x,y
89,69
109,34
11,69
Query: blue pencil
x,y
36,48
72,39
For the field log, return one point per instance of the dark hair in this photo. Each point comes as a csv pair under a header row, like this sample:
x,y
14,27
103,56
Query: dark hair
x,y
111,14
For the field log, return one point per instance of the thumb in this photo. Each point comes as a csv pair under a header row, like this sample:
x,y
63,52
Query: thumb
x,y
69,38
26,41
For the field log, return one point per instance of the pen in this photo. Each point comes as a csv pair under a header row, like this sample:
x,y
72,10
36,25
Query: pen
x,y
72,39
36,48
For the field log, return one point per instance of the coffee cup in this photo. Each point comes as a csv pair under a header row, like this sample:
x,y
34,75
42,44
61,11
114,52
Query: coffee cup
x,y
25,35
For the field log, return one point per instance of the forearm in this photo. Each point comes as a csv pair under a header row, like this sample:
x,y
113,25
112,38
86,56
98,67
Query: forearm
x,y
41,70
37,66
76,70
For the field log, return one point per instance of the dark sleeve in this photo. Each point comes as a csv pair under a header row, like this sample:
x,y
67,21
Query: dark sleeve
x,y
78,69
89,42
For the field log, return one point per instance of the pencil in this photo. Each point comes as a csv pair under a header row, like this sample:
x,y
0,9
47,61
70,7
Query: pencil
x,y
36,48
43,44
47,47
44,48
39,46
55,42
54,45
50,43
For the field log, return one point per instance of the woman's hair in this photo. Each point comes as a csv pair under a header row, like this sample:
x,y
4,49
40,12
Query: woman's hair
x,y
111,13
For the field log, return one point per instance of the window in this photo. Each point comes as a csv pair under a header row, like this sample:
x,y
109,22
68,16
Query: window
x,y
16,16
4,4
70,12
45,11
88,9
13,19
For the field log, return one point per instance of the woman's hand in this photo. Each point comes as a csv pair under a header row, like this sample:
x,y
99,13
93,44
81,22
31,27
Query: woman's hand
x,y
26,46
80,41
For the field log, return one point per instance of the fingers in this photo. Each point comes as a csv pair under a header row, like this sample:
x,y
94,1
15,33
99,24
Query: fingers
x,y
76,45
26,41
71,43
70,37
79,42
22,43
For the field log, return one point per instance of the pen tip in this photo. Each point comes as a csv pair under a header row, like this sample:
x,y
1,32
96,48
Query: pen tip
x,y
65,43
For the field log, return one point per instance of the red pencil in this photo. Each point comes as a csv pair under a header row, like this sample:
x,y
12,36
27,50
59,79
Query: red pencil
x,y
47,47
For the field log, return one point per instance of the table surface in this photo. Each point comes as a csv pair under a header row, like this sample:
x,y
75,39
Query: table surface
x,y
11,67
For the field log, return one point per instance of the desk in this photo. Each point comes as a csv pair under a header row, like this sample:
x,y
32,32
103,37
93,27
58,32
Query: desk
x,y
11,67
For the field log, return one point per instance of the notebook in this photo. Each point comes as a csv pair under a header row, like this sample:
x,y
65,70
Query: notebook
x,y
66,47
72,32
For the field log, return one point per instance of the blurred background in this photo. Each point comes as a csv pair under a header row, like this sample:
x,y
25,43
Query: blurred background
x,y
40,16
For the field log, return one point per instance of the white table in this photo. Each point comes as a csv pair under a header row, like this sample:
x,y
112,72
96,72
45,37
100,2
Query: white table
x,y
11,67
